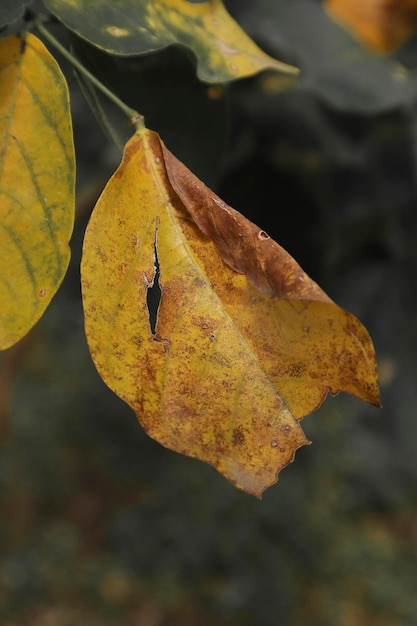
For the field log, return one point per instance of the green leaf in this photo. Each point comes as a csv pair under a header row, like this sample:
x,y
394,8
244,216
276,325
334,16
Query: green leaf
x,y
36,183
12,10
223,51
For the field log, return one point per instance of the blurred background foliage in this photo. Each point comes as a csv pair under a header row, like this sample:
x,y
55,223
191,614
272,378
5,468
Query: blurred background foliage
x,y
99,524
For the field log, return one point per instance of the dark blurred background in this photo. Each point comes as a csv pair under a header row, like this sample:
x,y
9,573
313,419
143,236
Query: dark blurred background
x,y
99,524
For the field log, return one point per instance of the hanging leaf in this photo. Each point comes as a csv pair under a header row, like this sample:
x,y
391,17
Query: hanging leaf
x,y
223,51
36,183
244,343
382,26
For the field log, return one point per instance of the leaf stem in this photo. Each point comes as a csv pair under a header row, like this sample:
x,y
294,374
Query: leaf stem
x,y
135,118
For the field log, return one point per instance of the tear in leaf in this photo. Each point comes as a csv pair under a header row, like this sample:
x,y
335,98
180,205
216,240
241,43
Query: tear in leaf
x,y
153,295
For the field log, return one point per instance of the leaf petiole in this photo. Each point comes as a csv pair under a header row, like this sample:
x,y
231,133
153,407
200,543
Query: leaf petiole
x,y
135,118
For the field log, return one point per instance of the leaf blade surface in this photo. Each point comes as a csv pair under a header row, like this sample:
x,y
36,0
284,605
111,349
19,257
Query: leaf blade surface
x,y
36,183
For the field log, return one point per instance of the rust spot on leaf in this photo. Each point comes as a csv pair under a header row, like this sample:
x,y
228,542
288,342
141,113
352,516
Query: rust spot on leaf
x,y
296,370
238,437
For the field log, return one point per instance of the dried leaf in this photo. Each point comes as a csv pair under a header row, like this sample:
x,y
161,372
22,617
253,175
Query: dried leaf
x,y
36,183
382,26
245,342
223,51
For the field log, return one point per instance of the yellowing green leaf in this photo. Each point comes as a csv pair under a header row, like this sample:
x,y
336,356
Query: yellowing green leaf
x,y
224,52
36,183
245,342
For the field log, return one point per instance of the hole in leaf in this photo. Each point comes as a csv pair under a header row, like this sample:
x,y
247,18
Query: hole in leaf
x,y
154,292
263,235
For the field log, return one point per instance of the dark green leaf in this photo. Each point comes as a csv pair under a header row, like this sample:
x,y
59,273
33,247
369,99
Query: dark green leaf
x,y
12,10
223,50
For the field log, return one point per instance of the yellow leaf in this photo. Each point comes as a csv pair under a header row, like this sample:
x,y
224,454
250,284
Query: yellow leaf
x,y
245,342
36,183
224,52
381,25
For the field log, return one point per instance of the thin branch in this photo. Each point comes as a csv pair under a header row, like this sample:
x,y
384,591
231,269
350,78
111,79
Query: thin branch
x,y
135,117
